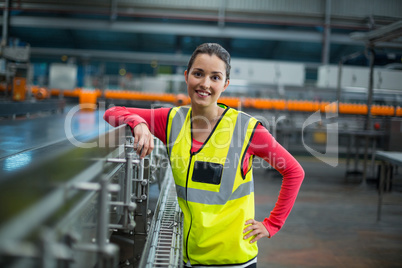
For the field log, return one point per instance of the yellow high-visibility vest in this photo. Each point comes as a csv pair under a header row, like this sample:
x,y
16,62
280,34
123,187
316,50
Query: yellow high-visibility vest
x,y
215,196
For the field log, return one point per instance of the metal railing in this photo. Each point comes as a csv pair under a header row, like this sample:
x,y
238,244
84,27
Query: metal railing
x,y
81,199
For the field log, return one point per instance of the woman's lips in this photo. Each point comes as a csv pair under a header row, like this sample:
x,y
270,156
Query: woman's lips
x,y
202,94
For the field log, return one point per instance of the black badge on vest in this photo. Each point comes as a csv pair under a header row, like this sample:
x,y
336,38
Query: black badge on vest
x,y
207,172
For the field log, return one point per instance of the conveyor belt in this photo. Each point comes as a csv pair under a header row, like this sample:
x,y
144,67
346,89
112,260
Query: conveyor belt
x,y
164,245
66,207
56,210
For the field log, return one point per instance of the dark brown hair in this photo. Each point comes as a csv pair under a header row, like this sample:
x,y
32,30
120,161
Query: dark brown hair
x,y
211,49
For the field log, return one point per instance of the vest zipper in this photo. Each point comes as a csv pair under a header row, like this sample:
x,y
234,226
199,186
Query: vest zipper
x,y
191,222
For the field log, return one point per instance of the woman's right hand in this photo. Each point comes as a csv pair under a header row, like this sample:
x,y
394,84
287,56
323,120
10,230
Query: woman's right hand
x,y
143,140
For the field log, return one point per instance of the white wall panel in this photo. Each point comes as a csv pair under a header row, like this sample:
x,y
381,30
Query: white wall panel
x,y
388,79
291,74
62,76
359,77
268,72
253,71
351,76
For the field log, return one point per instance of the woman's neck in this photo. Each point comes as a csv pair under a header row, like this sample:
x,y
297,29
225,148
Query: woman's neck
x,y
205,116
203,122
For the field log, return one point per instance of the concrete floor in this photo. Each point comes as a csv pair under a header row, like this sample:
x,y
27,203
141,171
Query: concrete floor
x,y
333,223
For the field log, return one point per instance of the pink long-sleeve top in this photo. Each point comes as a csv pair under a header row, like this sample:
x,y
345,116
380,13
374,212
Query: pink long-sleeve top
x,y
263,144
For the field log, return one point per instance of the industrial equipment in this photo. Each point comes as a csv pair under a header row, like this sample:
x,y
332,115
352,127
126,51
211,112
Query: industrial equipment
x,y
15,79
89,207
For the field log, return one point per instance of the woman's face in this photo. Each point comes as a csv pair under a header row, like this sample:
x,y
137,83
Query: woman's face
x,y
206,80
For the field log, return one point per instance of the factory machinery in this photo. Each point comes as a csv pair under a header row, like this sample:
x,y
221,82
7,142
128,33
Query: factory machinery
x,y
97,207
91,207
91,96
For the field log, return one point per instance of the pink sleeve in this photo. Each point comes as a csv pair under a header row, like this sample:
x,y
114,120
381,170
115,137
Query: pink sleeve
x,y
156,119
264,145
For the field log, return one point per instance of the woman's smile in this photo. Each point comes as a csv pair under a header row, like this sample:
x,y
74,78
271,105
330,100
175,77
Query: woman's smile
x,y
202,93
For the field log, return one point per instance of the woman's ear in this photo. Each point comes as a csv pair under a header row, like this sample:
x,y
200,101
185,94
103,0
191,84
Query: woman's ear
x,y
226,85
185,75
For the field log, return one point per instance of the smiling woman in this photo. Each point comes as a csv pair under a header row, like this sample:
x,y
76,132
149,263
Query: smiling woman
x,y
211,149
206,80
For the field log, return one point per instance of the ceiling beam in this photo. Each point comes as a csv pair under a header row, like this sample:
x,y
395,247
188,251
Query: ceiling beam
x,y
107,55
127,57
179,29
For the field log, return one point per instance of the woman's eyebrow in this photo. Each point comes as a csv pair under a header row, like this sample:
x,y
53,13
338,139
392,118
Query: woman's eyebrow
x,y
202,70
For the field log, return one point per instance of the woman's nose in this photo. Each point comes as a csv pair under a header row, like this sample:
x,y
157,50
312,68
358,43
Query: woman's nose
x,y
206,82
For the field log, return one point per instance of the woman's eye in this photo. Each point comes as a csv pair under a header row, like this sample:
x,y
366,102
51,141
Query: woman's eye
x,y
197,74
216,77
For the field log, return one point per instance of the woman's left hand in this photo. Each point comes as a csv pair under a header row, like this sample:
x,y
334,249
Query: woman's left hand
x,y
257,229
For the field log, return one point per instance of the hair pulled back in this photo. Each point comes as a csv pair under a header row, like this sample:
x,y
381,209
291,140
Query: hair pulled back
x,y
212,49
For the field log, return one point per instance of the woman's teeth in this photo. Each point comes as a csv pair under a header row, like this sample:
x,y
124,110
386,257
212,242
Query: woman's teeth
x,y
202,93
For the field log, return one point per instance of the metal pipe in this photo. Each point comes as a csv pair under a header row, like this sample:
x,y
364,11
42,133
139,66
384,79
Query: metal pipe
x,y
327,33
140,179
5,23
128,188
339,86
366,144
381,189
113,10
370,89
103,219
221,14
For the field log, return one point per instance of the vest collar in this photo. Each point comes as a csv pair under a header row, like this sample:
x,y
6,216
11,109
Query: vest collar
x,y
213,130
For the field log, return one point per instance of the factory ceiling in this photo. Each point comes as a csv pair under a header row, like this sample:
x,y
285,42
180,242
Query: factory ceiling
x,y
309,31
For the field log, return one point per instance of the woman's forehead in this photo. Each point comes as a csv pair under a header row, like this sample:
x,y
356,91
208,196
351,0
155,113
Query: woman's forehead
x,y
210,62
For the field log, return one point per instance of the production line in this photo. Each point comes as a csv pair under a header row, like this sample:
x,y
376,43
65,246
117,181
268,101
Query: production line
x,y
323,77
92,96
86,198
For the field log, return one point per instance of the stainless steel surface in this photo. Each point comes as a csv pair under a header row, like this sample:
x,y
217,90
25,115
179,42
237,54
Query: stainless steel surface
x,y
64,201
41,130
12,109
53,202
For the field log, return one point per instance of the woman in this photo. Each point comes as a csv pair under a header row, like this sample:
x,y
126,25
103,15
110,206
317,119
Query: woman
x,y
211,148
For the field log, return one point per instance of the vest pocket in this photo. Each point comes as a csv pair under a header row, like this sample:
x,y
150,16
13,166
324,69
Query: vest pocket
x,y
207,172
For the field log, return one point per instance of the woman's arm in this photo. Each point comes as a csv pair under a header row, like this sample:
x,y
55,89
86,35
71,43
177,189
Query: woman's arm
x,y
265,146
155,119
143,122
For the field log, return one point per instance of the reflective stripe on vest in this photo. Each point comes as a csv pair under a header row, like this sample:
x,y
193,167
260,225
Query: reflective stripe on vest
x,y
178,120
